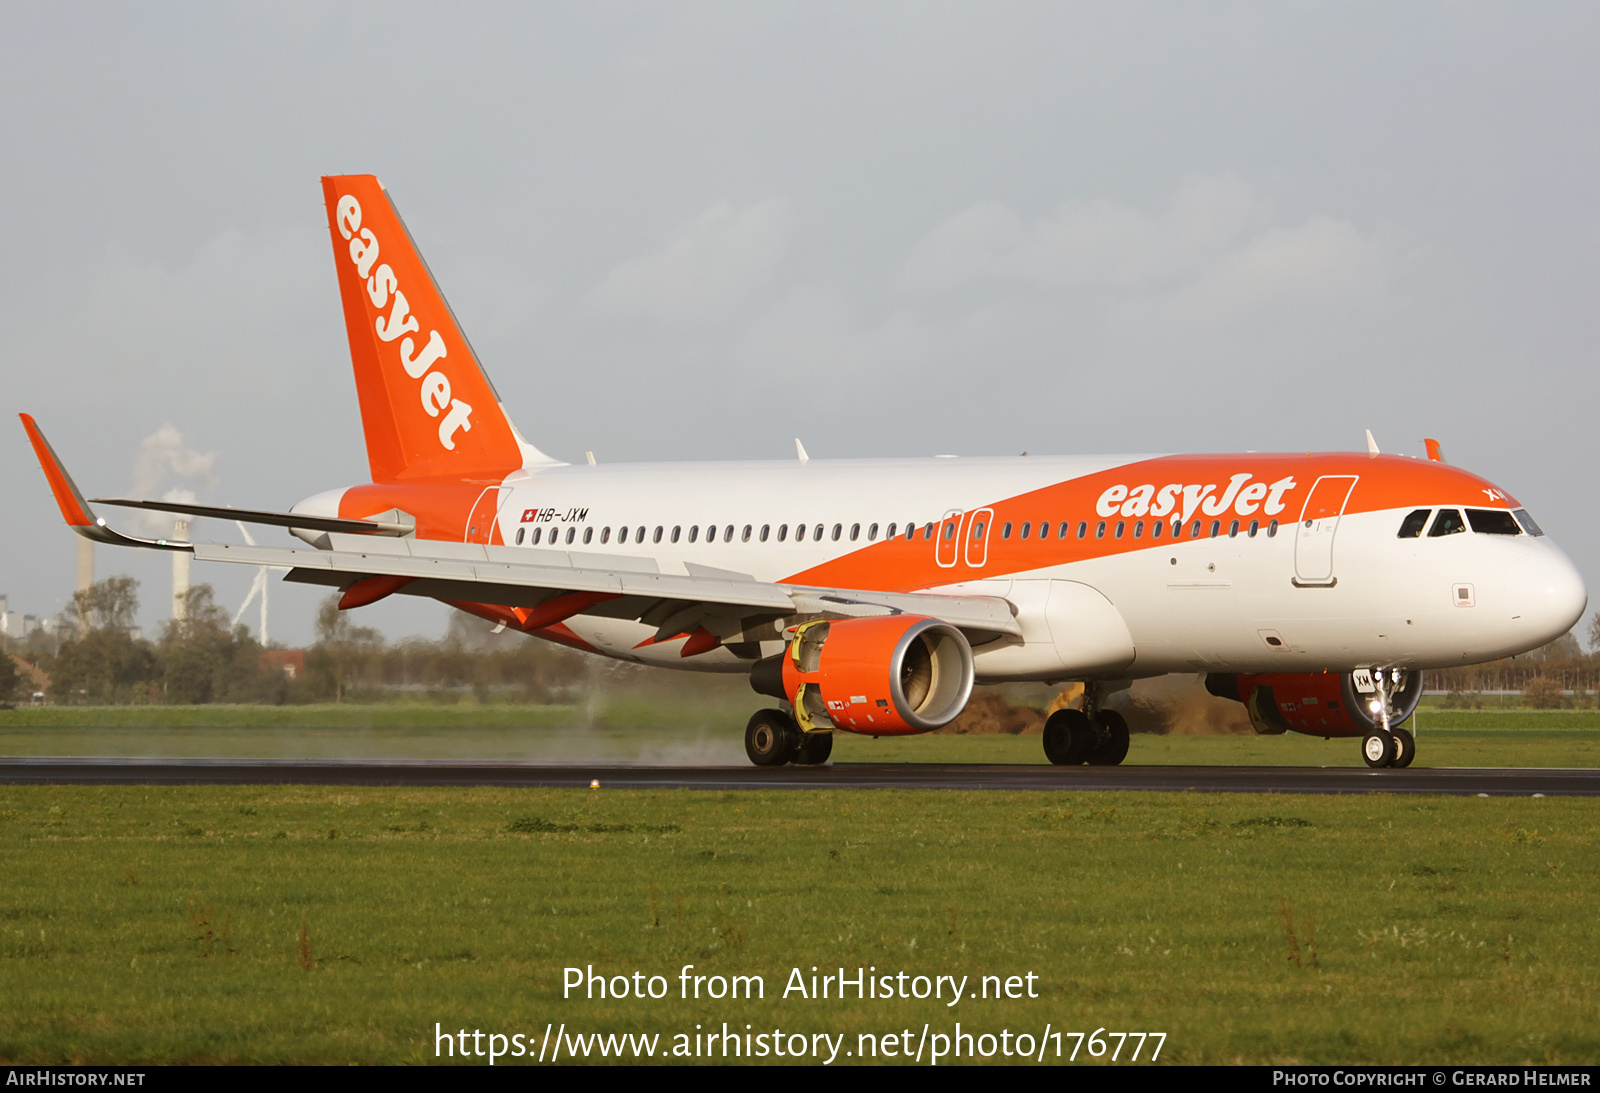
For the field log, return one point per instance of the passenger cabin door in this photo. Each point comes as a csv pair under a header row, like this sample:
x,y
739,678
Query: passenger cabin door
x,y
1319,521
978,538
947,540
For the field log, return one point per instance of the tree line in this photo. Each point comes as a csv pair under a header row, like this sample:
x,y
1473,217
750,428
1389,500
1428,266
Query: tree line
x,y
97,657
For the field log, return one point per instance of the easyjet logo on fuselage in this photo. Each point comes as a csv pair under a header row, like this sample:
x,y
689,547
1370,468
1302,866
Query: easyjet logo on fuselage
x,y
383,289
1182,501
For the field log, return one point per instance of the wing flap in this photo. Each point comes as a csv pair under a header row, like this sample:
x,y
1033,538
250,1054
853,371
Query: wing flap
x,y
471,575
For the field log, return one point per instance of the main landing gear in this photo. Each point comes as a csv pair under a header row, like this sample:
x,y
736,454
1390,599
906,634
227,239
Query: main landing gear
x,y
772,739
1095,736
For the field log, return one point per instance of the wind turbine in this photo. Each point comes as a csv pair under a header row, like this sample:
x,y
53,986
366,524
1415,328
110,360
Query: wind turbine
x,y
258,585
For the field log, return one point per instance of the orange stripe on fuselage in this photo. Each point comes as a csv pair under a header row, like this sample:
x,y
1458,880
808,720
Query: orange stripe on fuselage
x,y
1384,482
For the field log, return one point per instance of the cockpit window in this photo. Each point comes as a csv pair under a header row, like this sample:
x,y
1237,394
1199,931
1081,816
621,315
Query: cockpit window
x,y
1448,522
1527,522
1493,522
1413,525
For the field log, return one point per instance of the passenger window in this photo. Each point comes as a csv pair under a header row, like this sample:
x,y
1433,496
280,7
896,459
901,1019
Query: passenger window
x,y
1155,528
694,532
520,532
855,532
1194,532
745,536
1005,531
1411,527
783,532
605,536
872,534
538,533
1527,522
1027,526
676,528
1448,522
1120,525
1255,526
838,530
766,529
977,530
588,535
657,537
1233,530
1100,531
1493,522
571,533
890,533
949,530
1216,528
727,536
1138,530
1272,530
816,533
927,531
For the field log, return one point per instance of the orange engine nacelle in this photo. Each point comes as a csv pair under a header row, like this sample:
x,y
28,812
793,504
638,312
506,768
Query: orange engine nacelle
x,y
1318,703
889,676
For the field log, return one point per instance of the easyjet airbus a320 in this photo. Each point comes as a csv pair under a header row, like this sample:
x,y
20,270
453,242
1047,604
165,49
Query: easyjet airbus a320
x,y
869,596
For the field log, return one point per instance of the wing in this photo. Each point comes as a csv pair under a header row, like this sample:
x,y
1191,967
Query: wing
x,y
545,587
538,587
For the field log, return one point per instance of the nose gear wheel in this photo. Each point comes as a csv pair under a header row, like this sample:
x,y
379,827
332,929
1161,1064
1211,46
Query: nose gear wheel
x,y
1378,749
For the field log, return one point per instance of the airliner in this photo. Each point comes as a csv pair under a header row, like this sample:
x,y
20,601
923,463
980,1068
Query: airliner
x,y
870,596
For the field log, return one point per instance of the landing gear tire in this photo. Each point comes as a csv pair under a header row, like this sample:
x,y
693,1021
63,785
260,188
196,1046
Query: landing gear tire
x,y
1405,748
1378,749
812,749
772,738
1069,739
1112,748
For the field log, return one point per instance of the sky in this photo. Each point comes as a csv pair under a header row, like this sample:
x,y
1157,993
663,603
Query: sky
x,y
696,231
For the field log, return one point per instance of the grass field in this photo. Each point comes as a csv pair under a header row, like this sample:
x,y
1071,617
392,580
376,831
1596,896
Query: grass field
x,y
710,732
313,924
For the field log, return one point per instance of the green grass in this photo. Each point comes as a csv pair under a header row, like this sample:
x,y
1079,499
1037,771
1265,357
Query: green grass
x,y
709,732
142,925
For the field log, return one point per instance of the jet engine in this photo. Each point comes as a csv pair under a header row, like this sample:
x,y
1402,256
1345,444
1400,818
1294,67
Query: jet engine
x,y
888,676
1321,703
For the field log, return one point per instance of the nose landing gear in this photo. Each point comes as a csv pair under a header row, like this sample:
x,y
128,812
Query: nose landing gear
x,y
1387,745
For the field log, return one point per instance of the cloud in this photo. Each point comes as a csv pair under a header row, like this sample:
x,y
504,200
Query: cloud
x,y
1322,261
708,269
813,334
1211,257
1086,244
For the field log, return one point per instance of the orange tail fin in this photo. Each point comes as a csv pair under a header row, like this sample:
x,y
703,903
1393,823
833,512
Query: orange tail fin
x,y
427,407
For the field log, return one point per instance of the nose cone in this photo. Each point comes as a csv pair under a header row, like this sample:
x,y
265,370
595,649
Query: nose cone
x,y
1547,594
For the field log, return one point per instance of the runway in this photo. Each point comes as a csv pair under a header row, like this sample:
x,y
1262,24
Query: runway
x,y
1494,782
